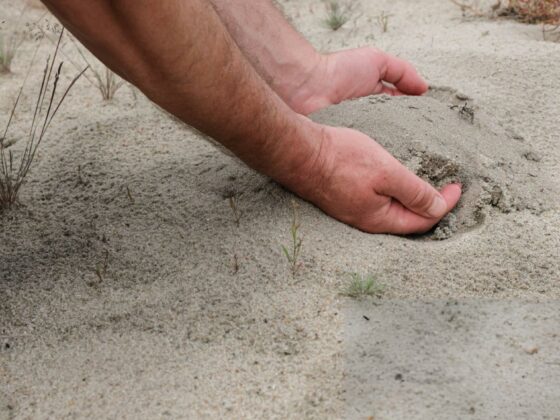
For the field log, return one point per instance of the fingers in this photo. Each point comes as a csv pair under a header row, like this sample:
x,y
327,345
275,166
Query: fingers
x,y
401,220
401,74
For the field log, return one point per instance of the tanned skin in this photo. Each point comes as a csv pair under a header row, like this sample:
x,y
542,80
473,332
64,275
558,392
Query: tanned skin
x,y
243,76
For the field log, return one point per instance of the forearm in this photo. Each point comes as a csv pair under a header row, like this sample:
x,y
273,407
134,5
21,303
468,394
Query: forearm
x,y
281,55
181,56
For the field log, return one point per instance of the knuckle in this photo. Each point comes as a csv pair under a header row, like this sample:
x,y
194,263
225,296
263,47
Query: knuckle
x,y
422,199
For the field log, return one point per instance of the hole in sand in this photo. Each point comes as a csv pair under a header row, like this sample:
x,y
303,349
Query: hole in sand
x,y
440,171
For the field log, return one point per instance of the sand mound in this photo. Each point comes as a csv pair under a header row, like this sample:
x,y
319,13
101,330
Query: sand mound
x,y
448,139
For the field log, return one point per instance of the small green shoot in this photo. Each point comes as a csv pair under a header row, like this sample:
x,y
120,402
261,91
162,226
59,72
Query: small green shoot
x,y
361,286
337,14
293,254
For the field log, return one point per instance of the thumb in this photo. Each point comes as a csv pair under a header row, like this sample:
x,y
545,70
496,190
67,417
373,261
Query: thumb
x,y
401,74
417,195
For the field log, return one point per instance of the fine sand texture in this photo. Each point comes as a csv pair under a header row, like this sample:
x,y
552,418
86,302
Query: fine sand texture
x,y
130,289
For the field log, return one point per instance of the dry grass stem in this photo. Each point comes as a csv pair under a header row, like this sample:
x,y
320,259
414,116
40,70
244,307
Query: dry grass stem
x,y
293,251
235,210
383,21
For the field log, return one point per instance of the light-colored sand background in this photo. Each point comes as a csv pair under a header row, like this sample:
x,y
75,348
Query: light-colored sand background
x,y
172,331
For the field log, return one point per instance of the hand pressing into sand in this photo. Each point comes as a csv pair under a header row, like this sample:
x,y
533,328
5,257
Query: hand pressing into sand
x,y
355,180
238,72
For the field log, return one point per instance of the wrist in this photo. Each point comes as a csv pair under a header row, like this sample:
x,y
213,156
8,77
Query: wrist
x,y
298,158
297,82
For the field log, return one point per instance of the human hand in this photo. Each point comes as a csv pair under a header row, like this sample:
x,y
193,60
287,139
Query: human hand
x,y
353,179
352,74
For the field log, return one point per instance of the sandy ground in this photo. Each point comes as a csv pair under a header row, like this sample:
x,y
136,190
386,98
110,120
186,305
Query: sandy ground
x,y
197,317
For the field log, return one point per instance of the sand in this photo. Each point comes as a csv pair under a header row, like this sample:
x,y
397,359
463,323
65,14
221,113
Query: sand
x,y
197,317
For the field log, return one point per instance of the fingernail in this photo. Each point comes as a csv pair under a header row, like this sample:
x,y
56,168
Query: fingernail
x,y
438,207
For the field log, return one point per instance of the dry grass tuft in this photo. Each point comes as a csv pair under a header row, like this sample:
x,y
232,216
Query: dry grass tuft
x,y
529,11
107,82
8,48
536,11
101,77
543,12
14,166
10,43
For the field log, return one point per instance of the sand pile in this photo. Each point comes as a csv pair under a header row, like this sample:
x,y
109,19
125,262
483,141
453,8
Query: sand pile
x,y
443,137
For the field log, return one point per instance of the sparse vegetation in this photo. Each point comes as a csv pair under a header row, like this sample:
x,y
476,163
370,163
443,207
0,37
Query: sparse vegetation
x,y
293,253
537,11
530,11
14,166
10,43
544,12
107,82
361,286
8,48
383,21
337,13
